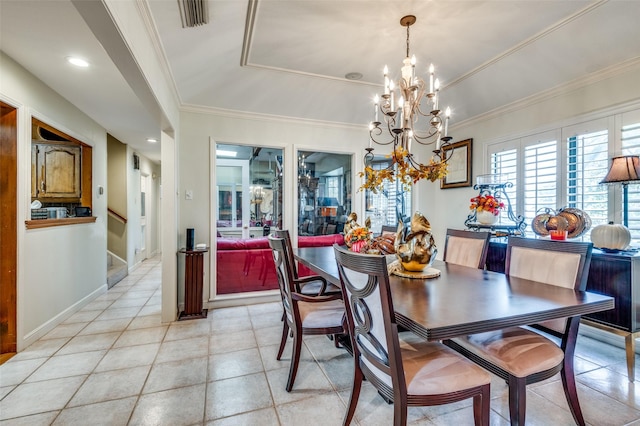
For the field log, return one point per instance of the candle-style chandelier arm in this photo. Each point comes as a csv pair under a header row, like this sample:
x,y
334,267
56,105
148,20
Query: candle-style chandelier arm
x,y
407,111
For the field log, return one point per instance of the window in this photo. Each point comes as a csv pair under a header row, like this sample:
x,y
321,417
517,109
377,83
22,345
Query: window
x,y
324,192
388,205
549,174
587,164
540,172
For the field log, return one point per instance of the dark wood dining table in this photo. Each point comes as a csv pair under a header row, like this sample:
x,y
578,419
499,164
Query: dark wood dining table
x,y
463,300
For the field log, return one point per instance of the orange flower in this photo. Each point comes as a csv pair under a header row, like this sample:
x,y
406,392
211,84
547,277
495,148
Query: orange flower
x,y
487,203
358,234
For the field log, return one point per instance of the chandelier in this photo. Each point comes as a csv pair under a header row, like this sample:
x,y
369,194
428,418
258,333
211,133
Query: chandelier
x,y
410,113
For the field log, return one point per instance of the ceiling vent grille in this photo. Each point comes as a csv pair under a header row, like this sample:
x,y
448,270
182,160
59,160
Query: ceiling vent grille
x,y
193,12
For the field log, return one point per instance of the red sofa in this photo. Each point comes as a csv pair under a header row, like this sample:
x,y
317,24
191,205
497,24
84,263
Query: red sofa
x,y
247,264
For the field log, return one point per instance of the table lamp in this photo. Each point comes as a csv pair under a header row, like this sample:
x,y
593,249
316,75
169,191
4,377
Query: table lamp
x,y
624,169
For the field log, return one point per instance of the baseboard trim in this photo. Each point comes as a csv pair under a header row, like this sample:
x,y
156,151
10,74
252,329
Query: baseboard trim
x,y
45,328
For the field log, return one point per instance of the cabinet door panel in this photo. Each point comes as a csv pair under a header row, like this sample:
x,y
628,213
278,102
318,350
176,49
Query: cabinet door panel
x,y
59,171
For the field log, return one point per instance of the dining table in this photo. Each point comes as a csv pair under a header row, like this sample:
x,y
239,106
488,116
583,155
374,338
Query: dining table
x,y
463,300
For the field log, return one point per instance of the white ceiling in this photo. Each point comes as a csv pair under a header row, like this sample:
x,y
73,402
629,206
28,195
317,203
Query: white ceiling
x,y
290,58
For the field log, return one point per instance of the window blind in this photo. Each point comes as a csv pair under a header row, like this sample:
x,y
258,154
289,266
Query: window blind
x,y
540,176
587,164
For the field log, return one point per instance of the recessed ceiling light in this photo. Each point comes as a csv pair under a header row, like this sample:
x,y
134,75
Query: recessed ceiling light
x,y
152,140
223,153
353,76
79,62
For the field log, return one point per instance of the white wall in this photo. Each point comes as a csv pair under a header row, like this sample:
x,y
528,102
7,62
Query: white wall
x,y
59,268
612,92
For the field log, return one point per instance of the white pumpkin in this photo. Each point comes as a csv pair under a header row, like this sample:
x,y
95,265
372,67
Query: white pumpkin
x,y
611,236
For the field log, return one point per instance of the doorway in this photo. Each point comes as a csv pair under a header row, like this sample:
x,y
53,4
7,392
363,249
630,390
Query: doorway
x,y
8,229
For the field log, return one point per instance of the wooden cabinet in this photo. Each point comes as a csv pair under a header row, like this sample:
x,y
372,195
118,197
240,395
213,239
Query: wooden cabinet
x,y
56,171
193,284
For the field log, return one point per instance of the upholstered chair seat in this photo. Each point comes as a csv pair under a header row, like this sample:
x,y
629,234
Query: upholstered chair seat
x,y
321,315
517,350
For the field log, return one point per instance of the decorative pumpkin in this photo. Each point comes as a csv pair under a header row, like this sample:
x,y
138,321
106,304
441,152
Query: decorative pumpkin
x,y
611,236
576,222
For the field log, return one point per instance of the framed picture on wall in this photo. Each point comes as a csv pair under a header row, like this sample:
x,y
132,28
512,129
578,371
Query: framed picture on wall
x,y
458,166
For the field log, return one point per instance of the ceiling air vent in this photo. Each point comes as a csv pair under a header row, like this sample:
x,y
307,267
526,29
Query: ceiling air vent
x,y
193,12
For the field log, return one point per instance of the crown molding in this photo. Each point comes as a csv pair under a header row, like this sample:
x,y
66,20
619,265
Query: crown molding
x,y
545,95
227,113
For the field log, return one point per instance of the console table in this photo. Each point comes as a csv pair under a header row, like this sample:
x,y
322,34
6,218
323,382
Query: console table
x,y
612,274
193,279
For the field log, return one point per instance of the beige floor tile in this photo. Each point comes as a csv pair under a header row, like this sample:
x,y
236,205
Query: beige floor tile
x,y
597,408
90,342
141,336
44,419
195,347
226,326
110,413
265,308
233,312
59,366
270,335
310,381
4,390
326,410
188,329
264,417
130,356
130,302
97,305
147,310
613,385
176,407
107,326
65,330
220,343
118,313
233,364
39,397
145,322
110,385
237,395
14,372
268,319
82,316
41,348
175,374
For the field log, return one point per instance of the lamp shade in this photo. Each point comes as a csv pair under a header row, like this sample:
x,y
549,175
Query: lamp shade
x,y
623,169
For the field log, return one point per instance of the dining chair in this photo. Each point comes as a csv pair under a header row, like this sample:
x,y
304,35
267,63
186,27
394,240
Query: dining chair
x,y
311,284
522,356
467,248
304,314
412,372
389,229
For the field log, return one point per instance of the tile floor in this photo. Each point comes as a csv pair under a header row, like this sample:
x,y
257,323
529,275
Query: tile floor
x,y
114,363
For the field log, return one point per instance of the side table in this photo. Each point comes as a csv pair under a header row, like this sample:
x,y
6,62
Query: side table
x,y
193,280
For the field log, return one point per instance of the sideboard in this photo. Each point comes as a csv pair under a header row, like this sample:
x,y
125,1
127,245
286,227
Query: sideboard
x,y
612,274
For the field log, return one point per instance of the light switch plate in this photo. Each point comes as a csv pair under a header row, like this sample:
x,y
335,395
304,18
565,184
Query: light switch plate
x,y
188,194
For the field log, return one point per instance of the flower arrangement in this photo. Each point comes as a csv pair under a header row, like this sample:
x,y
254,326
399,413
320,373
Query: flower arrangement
x,y
487,203
361,233
403,171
